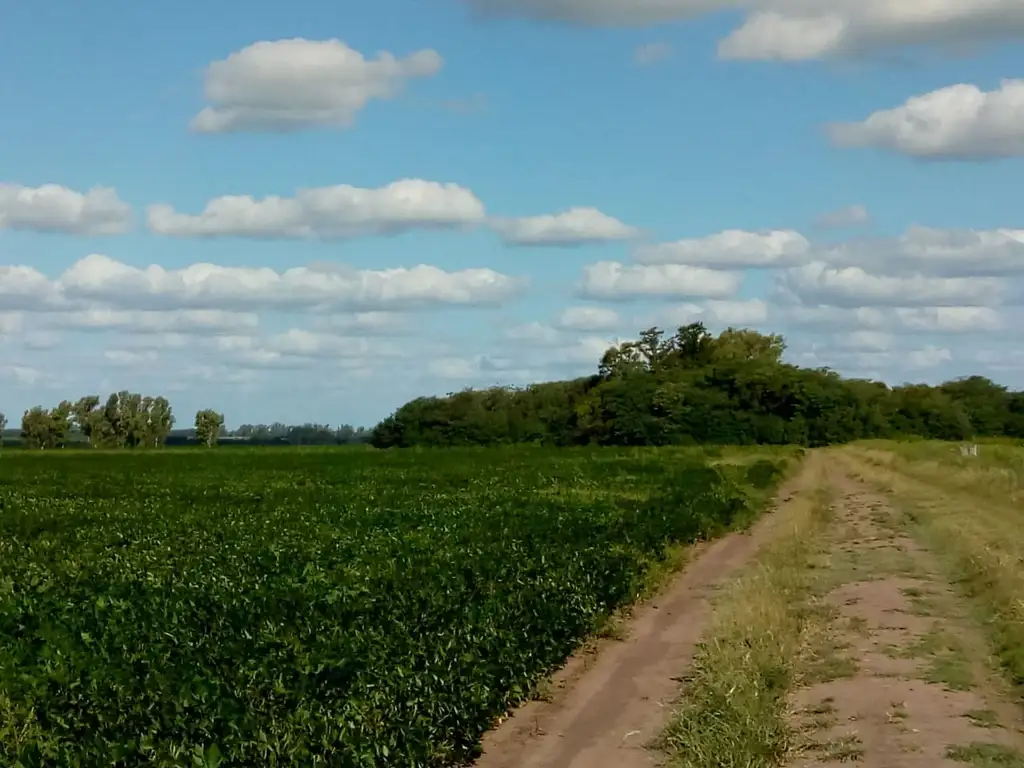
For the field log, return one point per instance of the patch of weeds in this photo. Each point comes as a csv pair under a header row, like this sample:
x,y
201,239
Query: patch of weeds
x,y
947,663
820,716
922,602
984,755
842,749
983,718
858,625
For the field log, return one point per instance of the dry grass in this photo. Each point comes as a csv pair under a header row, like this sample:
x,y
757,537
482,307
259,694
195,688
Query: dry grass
x,y
733,709
970,513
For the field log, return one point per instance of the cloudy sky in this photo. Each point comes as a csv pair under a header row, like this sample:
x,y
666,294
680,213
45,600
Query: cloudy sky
x,y
316,210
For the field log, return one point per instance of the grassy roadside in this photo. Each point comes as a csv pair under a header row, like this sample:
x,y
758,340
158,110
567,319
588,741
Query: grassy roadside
x,y
969,514
733,708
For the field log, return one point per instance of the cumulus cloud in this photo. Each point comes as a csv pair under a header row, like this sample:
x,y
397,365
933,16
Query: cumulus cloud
x,y
327,212
945,252
380,323
948,320
928,357
589,319
291,85
959,122
596,13
864,341
716,314
820,283
652,53
98,279
55,208
532,333
195,322
844,218
731,249
791,30
817,316
612,280
575,226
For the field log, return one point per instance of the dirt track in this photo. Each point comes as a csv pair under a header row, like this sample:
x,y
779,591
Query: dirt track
x,y
610,702
906,680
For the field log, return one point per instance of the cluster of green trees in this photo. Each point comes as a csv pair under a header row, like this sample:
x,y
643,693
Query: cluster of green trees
x,y
124,420
301,434
694,387
131,420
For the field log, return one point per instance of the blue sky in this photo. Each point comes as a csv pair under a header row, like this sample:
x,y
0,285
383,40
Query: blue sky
x,y
899,120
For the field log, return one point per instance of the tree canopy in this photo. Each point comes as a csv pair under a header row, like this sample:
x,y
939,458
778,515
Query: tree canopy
x,y
694,387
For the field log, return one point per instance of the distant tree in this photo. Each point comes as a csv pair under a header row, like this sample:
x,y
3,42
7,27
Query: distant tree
x,y
735,344
88,419
3,426
208,426
37,428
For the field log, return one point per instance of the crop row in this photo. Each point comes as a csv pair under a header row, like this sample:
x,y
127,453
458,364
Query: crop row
x,y
340,608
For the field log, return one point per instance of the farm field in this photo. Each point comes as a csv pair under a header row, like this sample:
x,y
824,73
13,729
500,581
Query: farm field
x,y
324,606
881,624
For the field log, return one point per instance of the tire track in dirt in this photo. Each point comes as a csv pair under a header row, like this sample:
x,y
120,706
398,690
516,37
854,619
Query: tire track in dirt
x,y
612,700
902,679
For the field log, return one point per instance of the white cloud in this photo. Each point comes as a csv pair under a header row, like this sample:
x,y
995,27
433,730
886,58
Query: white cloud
x,y
958,122
532,333
791,30
22,374
572,227
948,320
612,280
795,29
826,316
453,368
100,279
865,341
175,321
589,319
297,347
929,357
130,357
611,13
819,283
11,323
55,208
652,53
941,252
291,85
844,218
717,314
731,249
327,212
366,323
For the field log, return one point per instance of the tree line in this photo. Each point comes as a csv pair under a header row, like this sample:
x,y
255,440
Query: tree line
x,y
695,387
133,420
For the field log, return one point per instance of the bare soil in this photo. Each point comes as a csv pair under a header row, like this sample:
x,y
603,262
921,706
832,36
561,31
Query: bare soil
x,y
905,680
612,699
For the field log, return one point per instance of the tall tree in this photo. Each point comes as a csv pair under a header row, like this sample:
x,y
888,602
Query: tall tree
x,y
208,425
3,426
37,428
89,419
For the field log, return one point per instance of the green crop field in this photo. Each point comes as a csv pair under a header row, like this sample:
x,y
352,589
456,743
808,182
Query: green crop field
x,y
321,607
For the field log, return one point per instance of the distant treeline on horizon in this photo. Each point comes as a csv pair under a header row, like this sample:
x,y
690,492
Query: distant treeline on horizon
x,y
689,388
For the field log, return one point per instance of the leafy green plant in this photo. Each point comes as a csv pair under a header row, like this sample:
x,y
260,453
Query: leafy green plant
x,y
314,607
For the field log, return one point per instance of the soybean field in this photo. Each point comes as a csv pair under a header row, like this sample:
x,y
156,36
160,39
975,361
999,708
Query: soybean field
x,y
278,607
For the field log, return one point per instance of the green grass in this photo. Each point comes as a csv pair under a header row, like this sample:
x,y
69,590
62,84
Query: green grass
x,y
322,606
732,711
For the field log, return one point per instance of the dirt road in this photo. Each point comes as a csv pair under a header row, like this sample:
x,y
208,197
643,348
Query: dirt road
x,y
904,678
609,703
